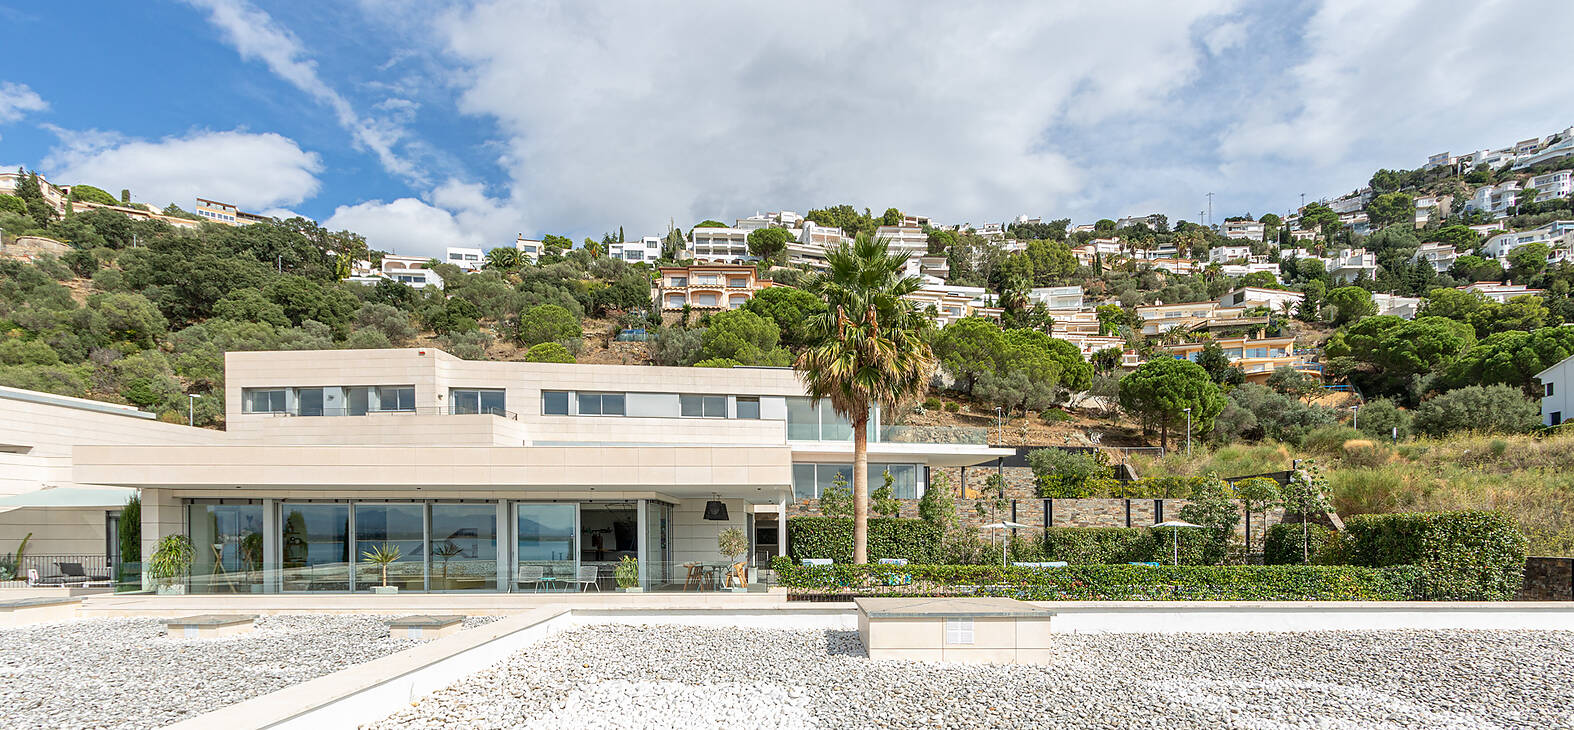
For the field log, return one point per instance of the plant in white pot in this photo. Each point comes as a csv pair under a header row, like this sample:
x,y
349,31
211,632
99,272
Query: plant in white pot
x,y
381,556
170,564
732,543
627,575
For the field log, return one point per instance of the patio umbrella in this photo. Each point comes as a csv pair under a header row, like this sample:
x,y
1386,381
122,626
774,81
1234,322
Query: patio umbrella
x,y
1005,525
1175,537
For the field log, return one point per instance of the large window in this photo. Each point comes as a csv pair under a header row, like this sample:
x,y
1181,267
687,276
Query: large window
x,y
809,481
601,404
546,539
396,398
554,402
316,547
477,401
228,542
749,408
391,527
263,400
803,420
702,406
463,546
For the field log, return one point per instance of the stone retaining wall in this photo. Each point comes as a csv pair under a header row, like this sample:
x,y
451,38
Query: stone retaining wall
x,y
1548,579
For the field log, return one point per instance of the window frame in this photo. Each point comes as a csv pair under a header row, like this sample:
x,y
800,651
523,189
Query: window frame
x,y
738,407
601,399
568,400
247,394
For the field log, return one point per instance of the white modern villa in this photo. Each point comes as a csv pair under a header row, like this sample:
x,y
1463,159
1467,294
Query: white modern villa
x,y
481,473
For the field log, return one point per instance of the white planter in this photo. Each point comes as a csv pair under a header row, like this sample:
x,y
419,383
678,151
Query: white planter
x,y
174,590
385,590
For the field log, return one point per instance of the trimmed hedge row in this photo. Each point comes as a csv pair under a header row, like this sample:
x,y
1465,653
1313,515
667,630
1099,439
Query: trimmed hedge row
x,y
1463,556
1115,545
832,537
1105,582
1284,545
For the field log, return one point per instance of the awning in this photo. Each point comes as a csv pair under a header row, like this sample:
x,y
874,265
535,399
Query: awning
x,y
70,497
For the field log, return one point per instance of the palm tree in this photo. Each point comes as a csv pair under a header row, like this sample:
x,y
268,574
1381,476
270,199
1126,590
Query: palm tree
x,y
870,350
505,259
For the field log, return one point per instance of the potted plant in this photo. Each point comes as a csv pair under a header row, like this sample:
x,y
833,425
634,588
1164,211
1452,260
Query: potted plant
x,y
447,551
251,559
381,556
732,543
627,575
170,563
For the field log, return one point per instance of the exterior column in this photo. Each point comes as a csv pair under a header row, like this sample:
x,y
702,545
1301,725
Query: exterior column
x,y
642,542
161,518
505,549
781,527
272,547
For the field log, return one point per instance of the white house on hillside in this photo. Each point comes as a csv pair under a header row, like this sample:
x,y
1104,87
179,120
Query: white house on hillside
x,y
1555,384
469,259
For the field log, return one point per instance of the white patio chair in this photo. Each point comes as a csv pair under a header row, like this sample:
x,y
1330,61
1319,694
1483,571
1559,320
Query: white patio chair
x,y
532,574
587,576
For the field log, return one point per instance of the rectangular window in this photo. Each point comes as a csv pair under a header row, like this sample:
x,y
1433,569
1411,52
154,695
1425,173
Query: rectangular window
x,y
256,400
959,631
679,281
309,401
833,427
396,398
1556,417
1257,352
803,420
803,484
358,401
737,282
1549,388
477,401
554,402
749,408
705,300
825,476
601,404
702,406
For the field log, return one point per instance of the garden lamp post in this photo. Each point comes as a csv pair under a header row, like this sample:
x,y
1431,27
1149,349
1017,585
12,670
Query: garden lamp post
x,y
1355,416
1188,432
1000,425
191,408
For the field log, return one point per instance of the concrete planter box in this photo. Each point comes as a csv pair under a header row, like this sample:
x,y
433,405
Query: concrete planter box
x,y
385,590
175,590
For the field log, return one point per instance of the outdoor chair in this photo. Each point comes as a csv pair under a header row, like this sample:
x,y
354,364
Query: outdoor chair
x,y
741,572
696,576
53,581
74,571
587,576
531,574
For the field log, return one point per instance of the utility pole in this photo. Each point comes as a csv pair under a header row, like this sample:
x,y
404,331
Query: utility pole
x,y
1210,210
1303,200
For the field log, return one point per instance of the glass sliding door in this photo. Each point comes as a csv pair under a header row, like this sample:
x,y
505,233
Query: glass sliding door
x,y
656,555
545,536
391,528
463,546
608,532
228,543
315,547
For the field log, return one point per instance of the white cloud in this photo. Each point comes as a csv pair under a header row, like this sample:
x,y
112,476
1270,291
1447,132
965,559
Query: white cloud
x,y
1418,78
253,171
634,114
256,36
1224,37
17,100
406,225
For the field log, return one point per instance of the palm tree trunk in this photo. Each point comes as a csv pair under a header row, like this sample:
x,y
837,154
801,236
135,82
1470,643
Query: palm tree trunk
x,y
861,489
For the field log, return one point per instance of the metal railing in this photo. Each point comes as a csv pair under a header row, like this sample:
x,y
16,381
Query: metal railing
x,y
95,567
898,434
336,412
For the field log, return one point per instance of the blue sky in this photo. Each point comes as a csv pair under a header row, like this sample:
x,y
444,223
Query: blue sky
x,y
426,124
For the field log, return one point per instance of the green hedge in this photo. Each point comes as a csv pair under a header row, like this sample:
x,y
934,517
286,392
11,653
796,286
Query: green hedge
x,y
1106,582
1116,545
832,537
1283,545
1463,556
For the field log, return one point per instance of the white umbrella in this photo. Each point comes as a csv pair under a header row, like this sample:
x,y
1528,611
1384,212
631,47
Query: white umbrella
x,y
1006,525
1175,537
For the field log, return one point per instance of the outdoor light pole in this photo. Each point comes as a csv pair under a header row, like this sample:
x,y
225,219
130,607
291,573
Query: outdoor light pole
x,y
191,408
1188,433
1355,416
1000,425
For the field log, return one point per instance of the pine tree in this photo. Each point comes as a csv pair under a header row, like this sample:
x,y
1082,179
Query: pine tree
x,y
28,190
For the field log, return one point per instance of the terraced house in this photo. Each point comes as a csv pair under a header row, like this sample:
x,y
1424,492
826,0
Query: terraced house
x,y
495,476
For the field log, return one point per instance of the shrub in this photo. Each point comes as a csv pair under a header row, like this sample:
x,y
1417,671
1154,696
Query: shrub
x,y
1105,582
932,404
1381,419
1463,556
832,537
952,406
1063,474
1489,409
1284,545
1330,439
1119,545
549,352
548,323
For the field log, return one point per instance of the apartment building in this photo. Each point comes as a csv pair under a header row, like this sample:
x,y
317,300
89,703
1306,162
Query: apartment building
x,y
1500,291
1499,246
910,240
1430,206
226,214
1257,358
1221,254
54,195
492,475
1174,265
411,271
69,519
720,246
1440,255
1103,249
947,304
1350,264
1398,306
1552,185
812,243
1259,264
1494,200
1245,230
1357,222
706,286
777,219
1150,220
1160,317
469,259
1277,300
646,250
1057,298
530,248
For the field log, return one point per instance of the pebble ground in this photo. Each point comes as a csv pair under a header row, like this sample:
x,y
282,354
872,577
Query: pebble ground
x,y
616,677
124,674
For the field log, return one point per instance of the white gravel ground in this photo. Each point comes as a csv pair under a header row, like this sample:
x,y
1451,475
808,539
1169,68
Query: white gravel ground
x,y
614,677
123,673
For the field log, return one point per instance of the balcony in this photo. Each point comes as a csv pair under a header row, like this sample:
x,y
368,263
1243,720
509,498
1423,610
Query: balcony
x,y
954,435
338,412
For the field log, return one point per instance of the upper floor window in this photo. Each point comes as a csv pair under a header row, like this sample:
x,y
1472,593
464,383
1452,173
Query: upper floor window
x,y
477,401
737,282
263,400
396,398
750,407
679,281
703,406
554,402
601,404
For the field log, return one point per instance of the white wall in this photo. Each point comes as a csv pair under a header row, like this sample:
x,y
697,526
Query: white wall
x,y
694,537
1558,402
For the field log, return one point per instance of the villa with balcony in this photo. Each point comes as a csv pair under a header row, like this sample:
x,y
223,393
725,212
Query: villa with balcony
x,y
720,245
707,286
1257,358
494,476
